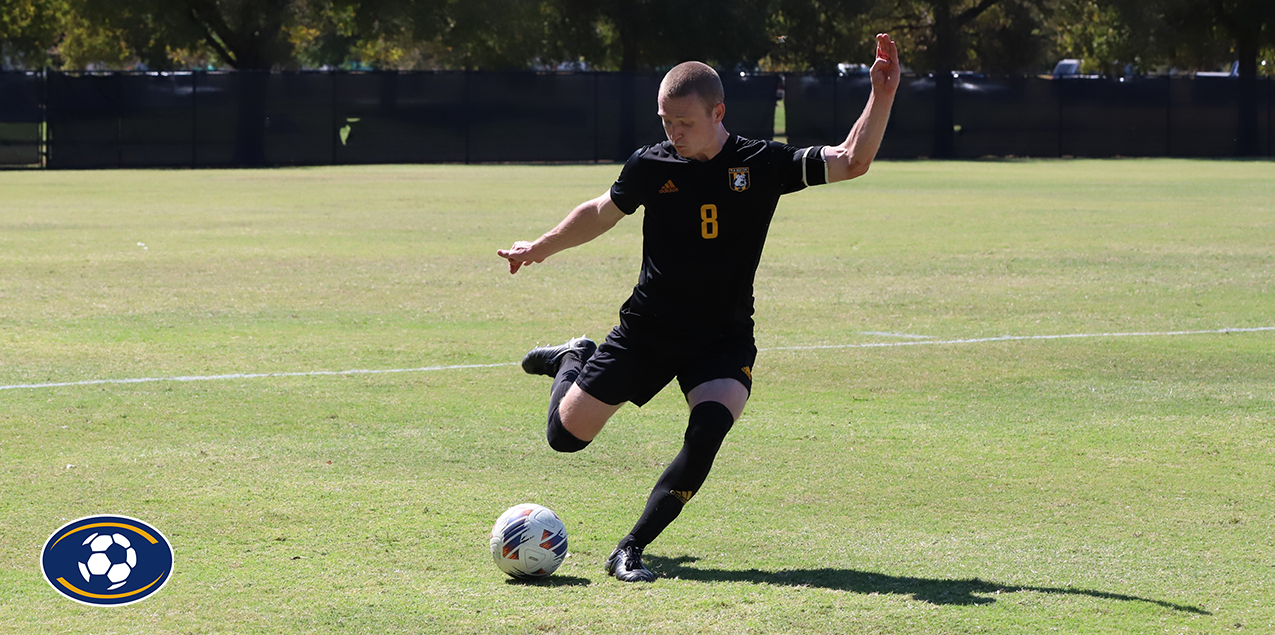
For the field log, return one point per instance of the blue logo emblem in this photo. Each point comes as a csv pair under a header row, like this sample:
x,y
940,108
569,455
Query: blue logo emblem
x,y
107,560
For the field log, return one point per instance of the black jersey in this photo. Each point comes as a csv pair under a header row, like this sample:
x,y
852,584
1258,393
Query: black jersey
x,y
704,228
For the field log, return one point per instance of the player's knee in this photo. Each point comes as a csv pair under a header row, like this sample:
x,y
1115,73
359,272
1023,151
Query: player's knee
x,y
560,438
709,423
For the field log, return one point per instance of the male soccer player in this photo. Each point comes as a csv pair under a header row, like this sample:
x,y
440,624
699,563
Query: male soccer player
x,y
709,197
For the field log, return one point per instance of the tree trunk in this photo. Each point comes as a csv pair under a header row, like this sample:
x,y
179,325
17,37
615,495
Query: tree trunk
x,y
1247,143
627,24
944,87
250,132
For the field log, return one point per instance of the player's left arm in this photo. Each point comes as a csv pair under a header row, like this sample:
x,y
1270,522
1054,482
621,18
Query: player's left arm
x,y
855,154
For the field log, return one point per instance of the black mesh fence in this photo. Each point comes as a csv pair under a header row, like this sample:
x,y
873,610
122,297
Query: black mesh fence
x,y
84,118
213,119
1204,119
1006,116
156,120
750,106
223,119
528,117
1105,118
400,118
1040,117
299,128
21,117
113,120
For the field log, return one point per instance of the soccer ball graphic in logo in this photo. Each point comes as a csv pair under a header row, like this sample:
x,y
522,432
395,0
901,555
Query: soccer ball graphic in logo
x,y
113,557
528,541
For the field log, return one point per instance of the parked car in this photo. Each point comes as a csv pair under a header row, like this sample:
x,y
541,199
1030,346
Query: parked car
x,y
1067,68
1233,72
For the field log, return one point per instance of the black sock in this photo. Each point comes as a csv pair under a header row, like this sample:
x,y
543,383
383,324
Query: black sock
x,y
709,423
559,437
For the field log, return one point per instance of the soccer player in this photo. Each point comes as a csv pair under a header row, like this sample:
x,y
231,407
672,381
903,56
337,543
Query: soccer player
x,y
709,197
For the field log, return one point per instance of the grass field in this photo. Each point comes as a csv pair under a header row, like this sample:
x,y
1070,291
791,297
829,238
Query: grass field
x,y
902,467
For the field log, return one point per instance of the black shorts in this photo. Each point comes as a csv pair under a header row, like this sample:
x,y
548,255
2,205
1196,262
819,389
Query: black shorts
x,y
635,363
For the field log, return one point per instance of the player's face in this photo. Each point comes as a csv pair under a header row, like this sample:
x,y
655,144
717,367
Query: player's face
x,y
691,125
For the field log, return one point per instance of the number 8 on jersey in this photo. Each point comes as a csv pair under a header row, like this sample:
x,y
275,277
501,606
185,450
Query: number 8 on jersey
x,y
708,218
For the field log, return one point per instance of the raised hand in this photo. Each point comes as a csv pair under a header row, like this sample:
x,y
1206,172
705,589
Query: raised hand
x,y
885,69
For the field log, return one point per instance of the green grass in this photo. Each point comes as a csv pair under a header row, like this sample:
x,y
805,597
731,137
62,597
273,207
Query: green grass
x,y
1086,485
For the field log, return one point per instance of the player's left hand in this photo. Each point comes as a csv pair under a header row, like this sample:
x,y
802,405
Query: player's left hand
x,y
885,69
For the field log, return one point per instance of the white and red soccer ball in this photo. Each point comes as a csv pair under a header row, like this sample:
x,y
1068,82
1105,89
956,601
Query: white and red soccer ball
x,y
528,541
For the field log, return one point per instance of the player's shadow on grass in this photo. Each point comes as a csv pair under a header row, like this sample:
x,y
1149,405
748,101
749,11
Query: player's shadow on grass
x,y
933,591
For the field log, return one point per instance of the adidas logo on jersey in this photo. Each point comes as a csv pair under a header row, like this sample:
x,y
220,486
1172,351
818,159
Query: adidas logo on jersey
x,y
668,188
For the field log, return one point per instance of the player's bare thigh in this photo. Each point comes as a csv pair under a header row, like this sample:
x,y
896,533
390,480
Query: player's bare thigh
x,y
728,392
584,415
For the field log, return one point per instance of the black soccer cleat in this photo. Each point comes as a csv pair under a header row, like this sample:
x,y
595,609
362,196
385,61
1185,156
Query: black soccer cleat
x,y
545,360
626,565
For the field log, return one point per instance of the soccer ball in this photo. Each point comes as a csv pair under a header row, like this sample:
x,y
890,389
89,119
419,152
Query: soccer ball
x,y
528,541
112,557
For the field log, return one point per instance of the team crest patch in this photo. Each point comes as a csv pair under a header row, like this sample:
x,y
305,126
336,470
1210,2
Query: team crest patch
x,y
739,179
107,560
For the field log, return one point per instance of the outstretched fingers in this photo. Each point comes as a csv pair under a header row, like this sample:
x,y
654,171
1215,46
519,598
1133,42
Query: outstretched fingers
x,y
887,50
885,69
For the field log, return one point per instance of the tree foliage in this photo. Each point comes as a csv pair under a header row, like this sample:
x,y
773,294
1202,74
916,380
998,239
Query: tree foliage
x,y
997,36
643,34
1197,33
820,34
30,30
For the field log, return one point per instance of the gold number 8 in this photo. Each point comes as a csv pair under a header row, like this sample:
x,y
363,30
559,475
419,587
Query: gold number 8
x,y
708,214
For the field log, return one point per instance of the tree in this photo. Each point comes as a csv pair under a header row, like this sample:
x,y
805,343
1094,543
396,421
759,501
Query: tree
x,y
1202,33
818,35
1095,33
934,32
1012,38
648,34
244,34
389,34
29,31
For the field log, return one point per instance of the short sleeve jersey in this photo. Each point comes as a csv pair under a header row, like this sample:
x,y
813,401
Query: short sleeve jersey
x,y
704,227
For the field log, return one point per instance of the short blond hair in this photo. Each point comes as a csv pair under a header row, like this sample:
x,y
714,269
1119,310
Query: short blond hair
x,y
693,78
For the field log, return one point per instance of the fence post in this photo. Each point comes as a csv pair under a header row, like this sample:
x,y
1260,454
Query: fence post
x,y
333,128
194,119
467,116
44,118
1168,116
596,116
1059,92
119,121
836,78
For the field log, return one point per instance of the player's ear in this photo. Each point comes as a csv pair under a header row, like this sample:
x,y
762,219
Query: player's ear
x,y
719,112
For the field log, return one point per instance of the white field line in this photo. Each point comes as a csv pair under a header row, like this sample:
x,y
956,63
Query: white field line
x,y
1015,338
906,336
311,373
427,369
